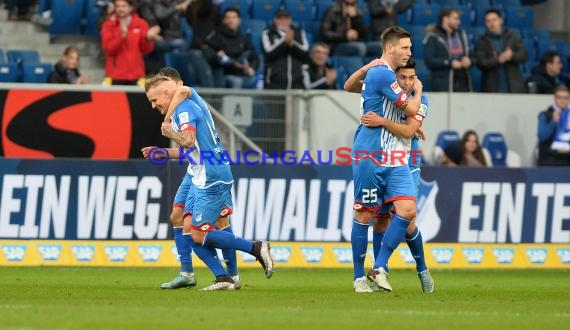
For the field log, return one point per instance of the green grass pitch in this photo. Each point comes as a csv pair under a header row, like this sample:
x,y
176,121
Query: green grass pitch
x,y
130,298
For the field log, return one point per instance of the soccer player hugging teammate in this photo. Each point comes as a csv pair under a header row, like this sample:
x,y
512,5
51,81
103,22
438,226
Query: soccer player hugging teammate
x,y
210,200
382,176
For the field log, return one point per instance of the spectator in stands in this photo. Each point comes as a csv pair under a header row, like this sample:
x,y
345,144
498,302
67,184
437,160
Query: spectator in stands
x,y
554,131
452,156
472,151
66,70
286,49
499,54
168,14
18,10
447,54
546,75
231,53
344,30
384,13
126,38
318,74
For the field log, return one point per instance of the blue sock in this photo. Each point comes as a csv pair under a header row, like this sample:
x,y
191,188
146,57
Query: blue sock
x,y
184,248
223,240
359,241
377,242
230,256
209,256
392,238
416,245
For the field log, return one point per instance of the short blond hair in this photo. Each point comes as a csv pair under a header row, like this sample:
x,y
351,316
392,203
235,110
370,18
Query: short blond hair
x,y
155,80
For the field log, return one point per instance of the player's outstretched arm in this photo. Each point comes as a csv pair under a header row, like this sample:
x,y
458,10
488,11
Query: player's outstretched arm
x,y
180,95
411,106
172,152
406,130
354,83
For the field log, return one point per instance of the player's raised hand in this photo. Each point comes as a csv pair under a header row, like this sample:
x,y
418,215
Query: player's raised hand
x,y
166,130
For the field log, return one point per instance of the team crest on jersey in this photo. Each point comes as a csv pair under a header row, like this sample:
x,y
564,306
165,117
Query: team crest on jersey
x,y
395,87
183,127
183,117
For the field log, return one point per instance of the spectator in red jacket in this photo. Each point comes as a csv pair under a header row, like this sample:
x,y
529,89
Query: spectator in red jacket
x,y
126,38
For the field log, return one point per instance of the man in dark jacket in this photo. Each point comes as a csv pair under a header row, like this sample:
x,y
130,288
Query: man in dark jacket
x,y
343,28
384,13
66,71
318,74
545,76
447,54
553,124
231,53
499,54
286,49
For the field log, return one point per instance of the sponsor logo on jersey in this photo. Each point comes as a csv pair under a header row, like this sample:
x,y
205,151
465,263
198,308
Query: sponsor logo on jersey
x,y
396,88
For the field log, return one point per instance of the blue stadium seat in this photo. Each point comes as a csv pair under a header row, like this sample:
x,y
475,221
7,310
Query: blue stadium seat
x,y
91,14
249,25
301,11
179,61
363,7
256,40
2,60
536,34
481,3
186,30
416,30
349,63
496,146
417,46
242,5
479,15
507,3
425,14
444,139
476,78
473,33
36,73
445,3
543,46
23,56
405,17
9,72
66,17
321,7
530,49
265,9
423,73
519,17
313,28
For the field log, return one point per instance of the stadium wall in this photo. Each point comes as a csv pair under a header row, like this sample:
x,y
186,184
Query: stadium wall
x,y
60,212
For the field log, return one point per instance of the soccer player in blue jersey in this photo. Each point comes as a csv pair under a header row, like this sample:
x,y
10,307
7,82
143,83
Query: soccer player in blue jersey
x,y
406,77
212,177
380,163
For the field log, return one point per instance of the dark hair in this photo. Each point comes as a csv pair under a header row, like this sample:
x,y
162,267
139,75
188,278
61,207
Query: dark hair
x,y
130,2
548,57
394,33
171,73
234,9
411,64
478,153
446,12
493,11
321,44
